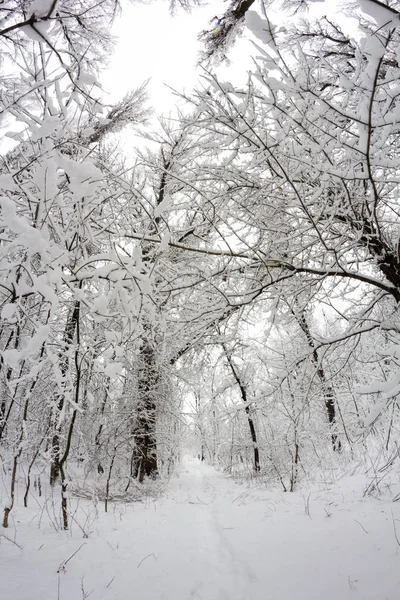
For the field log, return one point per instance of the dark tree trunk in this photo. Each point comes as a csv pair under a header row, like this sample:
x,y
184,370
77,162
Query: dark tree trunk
x,y
329,394
69,334
145,456
215,40
4,410
199,425
243,394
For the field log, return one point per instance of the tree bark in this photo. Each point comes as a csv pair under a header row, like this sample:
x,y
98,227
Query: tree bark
x,y
69,334
243,394
328,393
145,459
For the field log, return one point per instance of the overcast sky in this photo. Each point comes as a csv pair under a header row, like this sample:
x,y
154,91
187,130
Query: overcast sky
x,y
153,44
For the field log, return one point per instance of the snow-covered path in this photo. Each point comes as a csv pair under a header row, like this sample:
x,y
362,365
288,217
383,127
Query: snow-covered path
x,y
205,563
208,538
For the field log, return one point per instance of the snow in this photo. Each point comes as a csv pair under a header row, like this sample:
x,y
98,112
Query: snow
x,y
374,414
382,15
38,33
165,241
8,311
113,369
209,538
41,8
259,28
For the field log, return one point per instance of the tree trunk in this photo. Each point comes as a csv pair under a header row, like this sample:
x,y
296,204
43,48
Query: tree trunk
x,y
10,505
4,410
145,459
69,334
18,452
243,393
329,394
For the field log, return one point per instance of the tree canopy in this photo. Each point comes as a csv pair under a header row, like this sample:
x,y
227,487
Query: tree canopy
x,y
236,290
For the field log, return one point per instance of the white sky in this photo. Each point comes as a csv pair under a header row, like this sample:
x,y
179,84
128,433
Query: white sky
x,y
153,44
164,49
157,46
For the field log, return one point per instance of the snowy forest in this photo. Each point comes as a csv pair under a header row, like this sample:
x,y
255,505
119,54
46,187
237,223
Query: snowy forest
x,y
228,291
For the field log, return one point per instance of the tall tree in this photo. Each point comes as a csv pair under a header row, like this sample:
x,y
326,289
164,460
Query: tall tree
x,y
306,154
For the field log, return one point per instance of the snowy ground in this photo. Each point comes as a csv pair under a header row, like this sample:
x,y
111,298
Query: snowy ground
x,y
209,538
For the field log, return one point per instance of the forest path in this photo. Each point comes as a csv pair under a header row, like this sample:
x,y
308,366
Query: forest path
x,y
206,561
208,538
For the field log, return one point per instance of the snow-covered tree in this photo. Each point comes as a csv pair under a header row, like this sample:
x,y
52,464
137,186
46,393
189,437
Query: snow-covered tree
x,y
305,159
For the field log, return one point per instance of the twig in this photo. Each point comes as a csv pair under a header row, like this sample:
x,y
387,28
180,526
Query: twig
x,y
143,559
395,529
201,501
307,505
84,593
352,583
362,527
12,541
62,565
84,533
